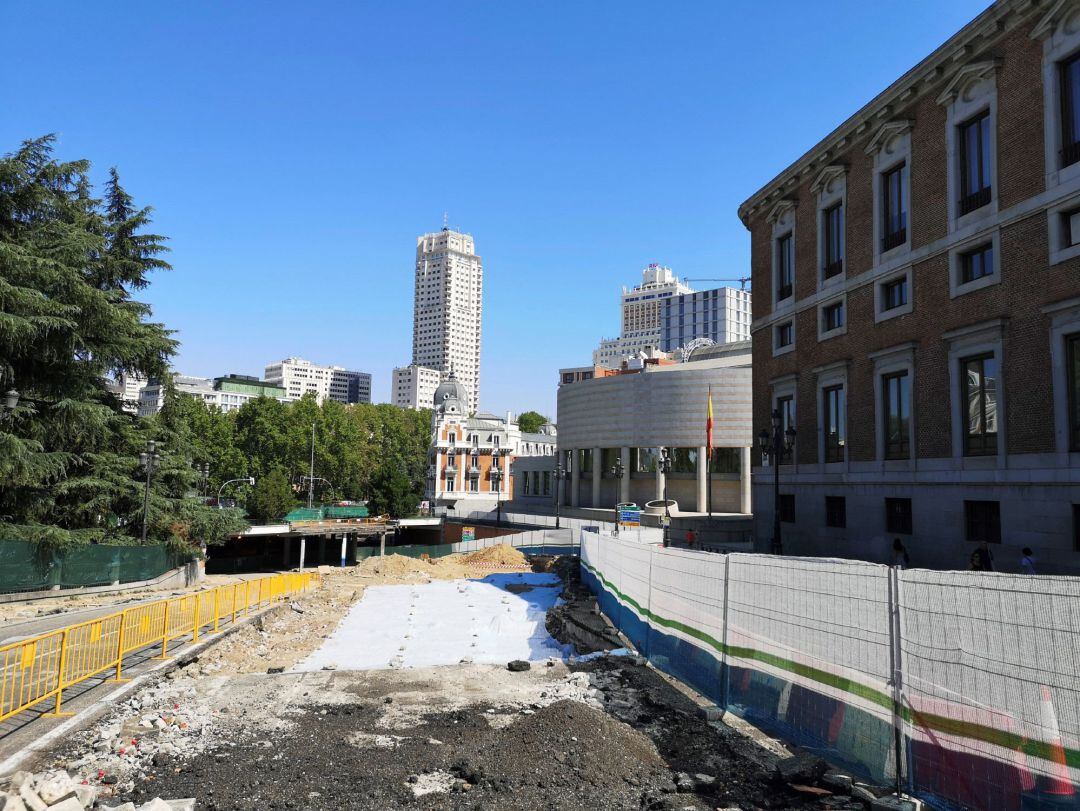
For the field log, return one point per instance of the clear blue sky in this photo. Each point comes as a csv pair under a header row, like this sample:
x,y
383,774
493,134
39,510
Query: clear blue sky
x,y
293,152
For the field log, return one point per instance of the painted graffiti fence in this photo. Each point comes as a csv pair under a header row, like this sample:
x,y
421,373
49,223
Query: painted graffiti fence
x,y
961,687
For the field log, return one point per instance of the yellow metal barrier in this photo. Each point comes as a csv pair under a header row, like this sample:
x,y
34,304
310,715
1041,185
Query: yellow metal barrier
x,y
41,668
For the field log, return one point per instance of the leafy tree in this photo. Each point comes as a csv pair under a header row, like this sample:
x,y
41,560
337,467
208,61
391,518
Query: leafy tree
x,y
392,493
69,266
272,497
530,421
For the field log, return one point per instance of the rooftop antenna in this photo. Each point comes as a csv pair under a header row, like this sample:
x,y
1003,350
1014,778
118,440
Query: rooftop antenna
x,y
445,221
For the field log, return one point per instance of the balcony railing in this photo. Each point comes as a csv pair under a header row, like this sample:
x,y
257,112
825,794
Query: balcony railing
x,y
473,472
893,240
975,200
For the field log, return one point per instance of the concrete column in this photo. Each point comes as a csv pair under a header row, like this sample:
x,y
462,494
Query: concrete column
x,y
575,477
702,479
303,545
344,540
744,481
597,472
624,485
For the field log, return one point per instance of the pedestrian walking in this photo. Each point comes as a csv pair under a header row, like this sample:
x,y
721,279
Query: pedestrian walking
x,y
900,555
981,559
690,538
1027,562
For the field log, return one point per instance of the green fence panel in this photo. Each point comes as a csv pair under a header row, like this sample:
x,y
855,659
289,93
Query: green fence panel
x,y
27,567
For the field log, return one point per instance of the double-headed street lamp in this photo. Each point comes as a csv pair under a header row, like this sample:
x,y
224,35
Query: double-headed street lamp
x,y
149,461
665,467
560,475
249,480
203,472
775,447
617,471
496,479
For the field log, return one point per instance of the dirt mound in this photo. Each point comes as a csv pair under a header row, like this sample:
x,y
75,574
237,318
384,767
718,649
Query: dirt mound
x,y
502,555
394,565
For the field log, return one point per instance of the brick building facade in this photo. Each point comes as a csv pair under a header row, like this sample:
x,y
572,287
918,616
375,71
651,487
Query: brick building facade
x,y
917,308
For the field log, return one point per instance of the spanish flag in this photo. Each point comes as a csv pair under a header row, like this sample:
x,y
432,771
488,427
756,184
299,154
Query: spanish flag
x,y
708,424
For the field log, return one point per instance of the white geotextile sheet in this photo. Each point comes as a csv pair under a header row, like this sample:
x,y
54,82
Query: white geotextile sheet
x,y
444,622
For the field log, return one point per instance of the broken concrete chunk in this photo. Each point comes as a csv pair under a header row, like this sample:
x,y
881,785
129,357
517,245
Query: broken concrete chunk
x,y
31,799
55,787
805,769
70,804
518,666
156,804
893,803
12,803
86,795
124,807
188,804
837,782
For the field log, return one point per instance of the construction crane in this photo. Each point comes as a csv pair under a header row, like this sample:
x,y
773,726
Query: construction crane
x,y
742,282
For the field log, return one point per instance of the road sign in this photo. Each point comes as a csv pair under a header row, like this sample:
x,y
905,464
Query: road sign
x,y
630,518
468,533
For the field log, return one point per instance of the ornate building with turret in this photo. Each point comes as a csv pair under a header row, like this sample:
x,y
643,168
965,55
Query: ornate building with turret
x,y
471,453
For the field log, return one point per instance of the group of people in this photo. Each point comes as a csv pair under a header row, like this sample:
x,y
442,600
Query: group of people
x,y
982,560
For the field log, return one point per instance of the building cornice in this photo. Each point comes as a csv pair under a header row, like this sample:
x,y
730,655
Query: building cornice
x,y
939,66
967,75
886,132
830,173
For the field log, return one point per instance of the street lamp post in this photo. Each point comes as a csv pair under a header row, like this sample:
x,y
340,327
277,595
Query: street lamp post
x,y
149,460
250,482
560,475
665,468
204,477
775,446
10,401
617,471
496,478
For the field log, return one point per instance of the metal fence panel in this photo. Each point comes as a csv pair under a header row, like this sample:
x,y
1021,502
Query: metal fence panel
x,y
991,692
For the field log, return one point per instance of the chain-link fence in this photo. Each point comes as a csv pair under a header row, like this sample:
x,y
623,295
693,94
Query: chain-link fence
x,y
963,688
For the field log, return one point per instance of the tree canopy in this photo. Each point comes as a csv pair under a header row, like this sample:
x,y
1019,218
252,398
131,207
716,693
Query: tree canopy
x,y
70,264
530,421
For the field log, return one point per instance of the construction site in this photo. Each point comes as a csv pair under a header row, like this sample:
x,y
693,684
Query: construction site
x,y
507,673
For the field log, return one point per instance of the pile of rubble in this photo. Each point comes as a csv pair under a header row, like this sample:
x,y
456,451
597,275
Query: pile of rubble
x,y
57,791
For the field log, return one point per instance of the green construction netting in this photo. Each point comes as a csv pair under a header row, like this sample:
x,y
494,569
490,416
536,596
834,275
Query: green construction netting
x,y
345,512
305,514
28,567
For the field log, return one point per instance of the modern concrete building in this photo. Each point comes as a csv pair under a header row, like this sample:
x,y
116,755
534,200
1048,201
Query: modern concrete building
x,y
719,316
227,393
641,316
632,415
299,376
447,310
917,308
128,388
414,386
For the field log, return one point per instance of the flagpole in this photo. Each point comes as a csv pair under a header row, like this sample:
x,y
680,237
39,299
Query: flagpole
x,y
708,461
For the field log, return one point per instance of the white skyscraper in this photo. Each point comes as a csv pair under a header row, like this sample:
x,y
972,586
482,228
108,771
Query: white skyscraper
x,y
642,311
447,308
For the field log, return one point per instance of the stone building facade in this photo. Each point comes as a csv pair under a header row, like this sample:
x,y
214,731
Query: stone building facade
x,y
917,308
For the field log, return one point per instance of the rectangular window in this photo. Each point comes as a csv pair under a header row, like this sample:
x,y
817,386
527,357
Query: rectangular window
x,y
833,229
974,136
833,411
787,508
644,460
893,208
977,264
608,458
786,407
725,460
894,294
982,520
785,266
978,401
683,460
832,317
1070,111
547,482
525,484
585,460
835,511
898,516
1072,375
785,334
896,402
1076,527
